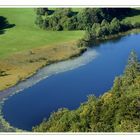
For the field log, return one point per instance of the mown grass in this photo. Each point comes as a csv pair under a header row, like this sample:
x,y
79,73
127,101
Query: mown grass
x,y
26,35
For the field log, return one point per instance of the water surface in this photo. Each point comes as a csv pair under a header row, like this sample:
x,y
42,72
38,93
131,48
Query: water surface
x,y
69,83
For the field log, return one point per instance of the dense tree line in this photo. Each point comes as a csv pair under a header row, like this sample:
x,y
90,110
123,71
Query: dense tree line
x,y
67,19
115,111
103,30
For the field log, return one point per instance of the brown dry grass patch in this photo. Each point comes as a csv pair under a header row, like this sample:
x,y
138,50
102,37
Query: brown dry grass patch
x,y
24,64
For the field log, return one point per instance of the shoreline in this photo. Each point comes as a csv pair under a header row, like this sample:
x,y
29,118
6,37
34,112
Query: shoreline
x,y
18,68
115,36
44,62
127,33
91,55
52,69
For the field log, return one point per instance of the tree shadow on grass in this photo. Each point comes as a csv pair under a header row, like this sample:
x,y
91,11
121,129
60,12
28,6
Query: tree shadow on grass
x,y
133,12
4,24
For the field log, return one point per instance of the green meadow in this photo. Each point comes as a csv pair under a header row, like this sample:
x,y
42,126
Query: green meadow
x,y
26,35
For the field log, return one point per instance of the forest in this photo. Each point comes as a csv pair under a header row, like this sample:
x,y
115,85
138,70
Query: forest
x,y
69,19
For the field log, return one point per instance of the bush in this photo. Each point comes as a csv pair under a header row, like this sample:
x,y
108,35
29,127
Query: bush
x,y
82,43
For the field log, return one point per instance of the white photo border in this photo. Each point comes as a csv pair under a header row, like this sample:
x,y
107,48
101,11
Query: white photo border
x,y
75,4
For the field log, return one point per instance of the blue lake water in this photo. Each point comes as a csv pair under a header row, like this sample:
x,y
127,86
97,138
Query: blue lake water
x,y
70,86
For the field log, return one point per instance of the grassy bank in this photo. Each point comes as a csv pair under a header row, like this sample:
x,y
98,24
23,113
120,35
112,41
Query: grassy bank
x,y
25,48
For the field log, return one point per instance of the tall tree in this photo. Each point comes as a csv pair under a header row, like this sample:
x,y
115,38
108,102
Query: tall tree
x,y
132,69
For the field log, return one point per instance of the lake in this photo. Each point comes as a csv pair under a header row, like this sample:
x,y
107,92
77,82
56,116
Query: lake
x,y
67,84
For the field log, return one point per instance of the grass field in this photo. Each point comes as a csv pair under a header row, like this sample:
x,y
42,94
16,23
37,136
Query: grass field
x,y
26,35
17,43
